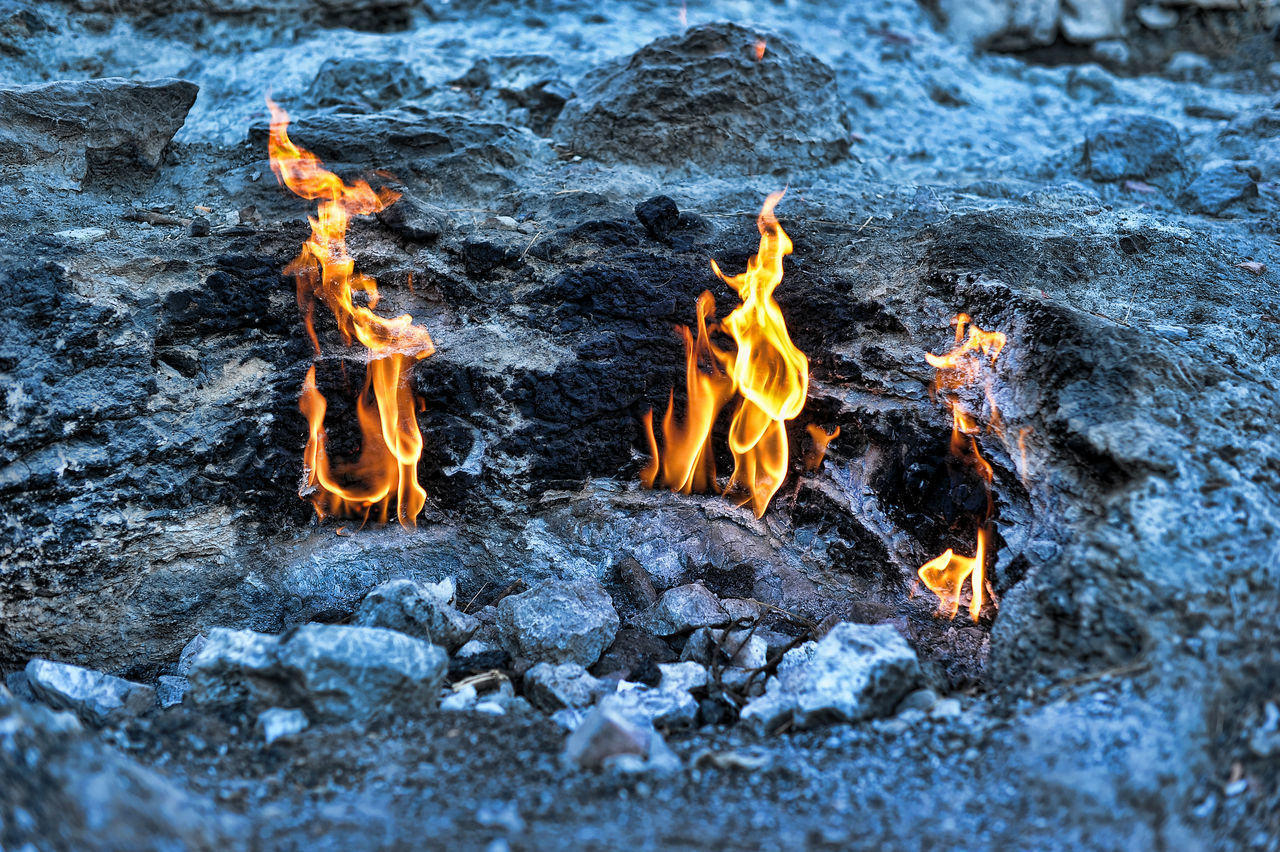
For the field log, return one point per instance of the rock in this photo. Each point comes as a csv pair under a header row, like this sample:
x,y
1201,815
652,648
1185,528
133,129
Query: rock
x,y
555,687
856,671
73,133
686,676
414,219
199,227
1086,21
480,257
921,699
1156,17
170,690
189,652
753,114
683,609
665,708
946,708
1216,188
369,85
636,655
97,698
660,216
423,611
605,735
276,723
329,671
1185,65
1001,24
16,683
726,648
558,622
462,698
1131,146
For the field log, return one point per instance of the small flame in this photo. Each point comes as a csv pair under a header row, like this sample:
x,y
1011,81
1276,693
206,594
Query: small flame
x,y
391,442
761,45
946,575
684,15
821,438
768,373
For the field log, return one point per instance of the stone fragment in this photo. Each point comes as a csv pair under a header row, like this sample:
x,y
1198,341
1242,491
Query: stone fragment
x,y
425,611
665,708
72,133
1156,17
753,113
856,671
683,609
1131,146
414,219
660,216
1216,188
170,690
370,84
97,698
726,648
554,687
1001,24
558,621
605,736
1085,21
330,671
277,723
921,699
686,676
189,652
634,655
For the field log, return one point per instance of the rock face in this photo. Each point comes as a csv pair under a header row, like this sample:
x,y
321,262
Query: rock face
x,y
95,697
705,97
328,671
856,671
1133,146
76,132
559,622
425,611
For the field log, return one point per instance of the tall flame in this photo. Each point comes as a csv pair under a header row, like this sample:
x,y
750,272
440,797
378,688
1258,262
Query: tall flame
x,y
945,575
768,373
386,466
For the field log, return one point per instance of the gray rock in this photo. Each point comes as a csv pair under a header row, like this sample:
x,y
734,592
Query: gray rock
x,y
665,708
370,84
856,671
1216,188
425,611
606,735
97,698
415,219
1131,146
170,690
558,622
921,699
752,113
739,648
16,683
277,723
683,609
554,687
1156,17
330,671
189,652
686,676
1001,24
76,132
1086,21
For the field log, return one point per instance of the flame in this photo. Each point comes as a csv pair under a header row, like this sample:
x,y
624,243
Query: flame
x,y
821,438
962,366
684,15
761,45
391,442
768,373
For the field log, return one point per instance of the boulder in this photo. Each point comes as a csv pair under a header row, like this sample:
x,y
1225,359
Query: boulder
x,y
857,671
558,622
97,698
425,611
73,133
1131,147
329,671
705,96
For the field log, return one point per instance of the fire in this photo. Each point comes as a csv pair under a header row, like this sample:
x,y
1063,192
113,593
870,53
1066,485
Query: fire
x,y
768,374
821,440
385,468
761,46
962,366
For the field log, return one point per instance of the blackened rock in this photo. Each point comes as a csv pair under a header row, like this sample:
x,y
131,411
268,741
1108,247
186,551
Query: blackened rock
x,y
371,85
1217,188
558,622
75,132
414,219
1131,146
96,698
856,671
480,257
199,227
636,654
703,96
660,216
423,611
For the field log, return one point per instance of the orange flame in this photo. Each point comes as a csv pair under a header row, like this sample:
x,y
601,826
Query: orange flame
x,y
761,45
391,442
946,575
821,439
768,372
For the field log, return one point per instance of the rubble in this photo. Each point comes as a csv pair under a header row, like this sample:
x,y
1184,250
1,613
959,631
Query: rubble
x,y
97,698
557,622
740,648
424,611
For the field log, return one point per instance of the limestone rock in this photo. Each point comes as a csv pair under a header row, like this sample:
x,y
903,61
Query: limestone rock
x,y
97,698
558,622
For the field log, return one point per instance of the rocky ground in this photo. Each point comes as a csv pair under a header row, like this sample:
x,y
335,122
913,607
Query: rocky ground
x,y
556,657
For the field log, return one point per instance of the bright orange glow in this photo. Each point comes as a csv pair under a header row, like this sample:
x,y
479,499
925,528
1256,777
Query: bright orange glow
x,y
821,439
962,366
768,373
391,443
761,46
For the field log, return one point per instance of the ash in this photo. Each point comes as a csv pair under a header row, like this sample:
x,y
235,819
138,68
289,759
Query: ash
x,y
556,658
